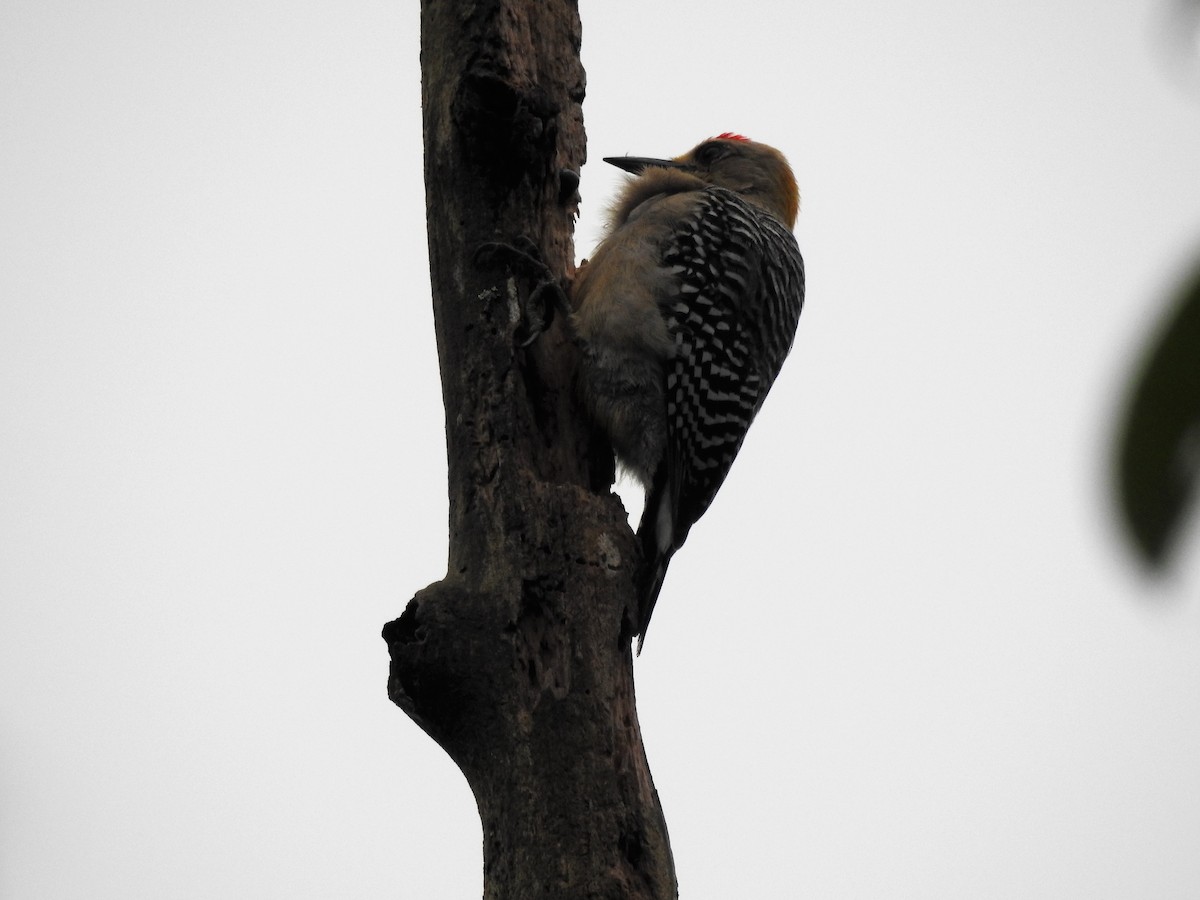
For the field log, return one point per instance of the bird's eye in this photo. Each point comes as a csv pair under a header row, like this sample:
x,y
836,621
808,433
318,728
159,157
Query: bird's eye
x,y
707,154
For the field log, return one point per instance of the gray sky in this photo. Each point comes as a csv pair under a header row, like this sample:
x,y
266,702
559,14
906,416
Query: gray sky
x,y
906,654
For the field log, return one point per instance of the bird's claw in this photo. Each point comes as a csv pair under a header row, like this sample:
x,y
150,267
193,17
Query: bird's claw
x,y
524,258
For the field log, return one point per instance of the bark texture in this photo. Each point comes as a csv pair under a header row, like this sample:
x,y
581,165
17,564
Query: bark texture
x,y
518,663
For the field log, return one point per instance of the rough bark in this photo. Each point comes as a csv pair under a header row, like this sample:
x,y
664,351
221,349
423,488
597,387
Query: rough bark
x,y
518,663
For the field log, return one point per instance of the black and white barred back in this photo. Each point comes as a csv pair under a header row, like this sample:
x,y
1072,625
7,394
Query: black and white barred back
x,y
732,321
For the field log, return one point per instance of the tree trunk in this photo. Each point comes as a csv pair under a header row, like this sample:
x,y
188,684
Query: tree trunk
x,y
518,663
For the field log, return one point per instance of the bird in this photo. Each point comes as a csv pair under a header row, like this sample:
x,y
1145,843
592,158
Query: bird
x,y
684,315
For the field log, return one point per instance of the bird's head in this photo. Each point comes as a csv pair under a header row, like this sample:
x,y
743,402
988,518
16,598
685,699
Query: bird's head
x,y
757,172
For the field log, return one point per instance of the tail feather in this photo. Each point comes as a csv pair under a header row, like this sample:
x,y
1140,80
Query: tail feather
x,y
656,534
654,570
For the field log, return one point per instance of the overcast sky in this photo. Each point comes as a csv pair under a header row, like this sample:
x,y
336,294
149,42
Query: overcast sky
x,y
907,653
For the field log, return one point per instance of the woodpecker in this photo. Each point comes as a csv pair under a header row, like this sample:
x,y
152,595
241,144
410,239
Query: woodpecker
x,y
685,314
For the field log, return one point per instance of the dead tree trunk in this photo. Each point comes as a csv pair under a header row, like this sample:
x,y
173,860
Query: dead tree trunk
x,y
518,663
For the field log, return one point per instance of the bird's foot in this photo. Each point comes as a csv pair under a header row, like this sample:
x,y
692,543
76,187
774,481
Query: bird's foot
x,y
523,258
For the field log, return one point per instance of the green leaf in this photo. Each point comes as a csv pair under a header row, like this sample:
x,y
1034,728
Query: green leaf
x,y
1158,463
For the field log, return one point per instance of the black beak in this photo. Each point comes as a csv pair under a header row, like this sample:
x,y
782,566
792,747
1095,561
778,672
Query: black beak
x,y
637,164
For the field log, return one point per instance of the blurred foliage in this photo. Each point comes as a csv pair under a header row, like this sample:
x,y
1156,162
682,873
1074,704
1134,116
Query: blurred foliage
x,y
1158,463
1158,446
